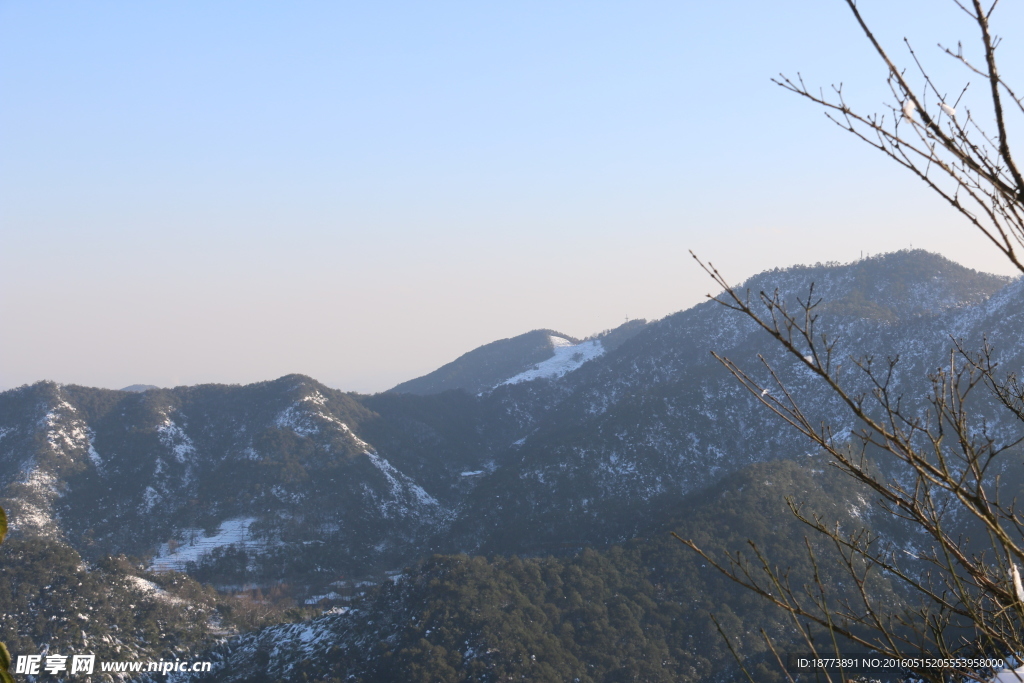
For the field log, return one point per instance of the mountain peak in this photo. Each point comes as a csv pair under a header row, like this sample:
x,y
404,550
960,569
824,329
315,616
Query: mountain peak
x,y
491,364
900,285
139,388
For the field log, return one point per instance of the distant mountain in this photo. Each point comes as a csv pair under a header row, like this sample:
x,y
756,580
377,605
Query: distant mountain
x,y
536,354
139,388
485,367
616,337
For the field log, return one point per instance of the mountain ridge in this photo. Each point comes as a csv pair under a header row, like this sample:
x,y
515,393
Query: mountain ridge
x,y
290,480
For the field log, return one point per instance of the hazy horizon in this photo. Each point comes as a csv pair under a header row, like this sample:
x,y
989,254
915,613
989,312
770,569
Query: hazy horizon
x,y
361,194
459,353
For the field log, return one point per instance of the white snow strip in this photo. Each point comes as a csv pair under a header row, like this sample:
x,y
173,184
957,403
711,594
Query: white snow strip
x,y
297,420
359,442
230,532
399,487
97,461
304,421
151,589
568,357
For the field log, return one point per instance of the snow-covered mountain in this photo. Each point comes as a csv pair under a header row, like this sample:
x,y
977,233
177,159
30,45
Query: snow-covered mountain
x,y
534,355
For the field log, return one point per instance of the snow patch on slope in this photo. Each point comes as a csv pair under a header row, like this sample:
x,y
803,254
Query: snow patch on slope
x,y
403,492
568,357
175,439
174,556
32,498
67,434
150,589
306,417
297,420
32,510
97,461
348,430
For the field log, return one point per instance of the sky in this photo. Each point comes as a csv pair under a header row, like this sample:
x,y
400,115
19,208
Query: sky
x,y
195,192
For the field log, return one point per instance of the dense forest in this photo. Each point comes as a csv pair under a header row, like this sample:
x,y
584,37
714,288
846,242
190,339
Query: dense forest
x,y
640,611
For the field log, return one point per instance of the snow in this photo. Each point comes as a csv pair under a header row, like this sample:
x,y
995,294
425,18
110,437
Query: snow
x,y
399,483
317,398
65,432
472,473
1008,676
568,357
32,512
326,596
297,420
231,532
348,430
174,438
152,590
303,420
97,461
150,497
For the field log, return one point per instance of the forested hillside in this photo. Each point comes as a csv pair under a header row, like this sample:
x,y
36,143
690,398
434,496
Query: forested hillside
x,y
637,611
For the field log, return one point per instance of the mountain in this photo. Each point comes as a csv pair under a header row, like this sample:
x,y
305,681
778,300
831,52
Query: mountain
x,y
140,387
276,467
608,446
485,367
581,444
534,355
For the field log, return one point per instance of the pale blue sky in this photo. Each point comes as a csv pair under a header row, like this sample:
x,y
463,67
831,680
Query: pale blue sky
x,y
231,191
